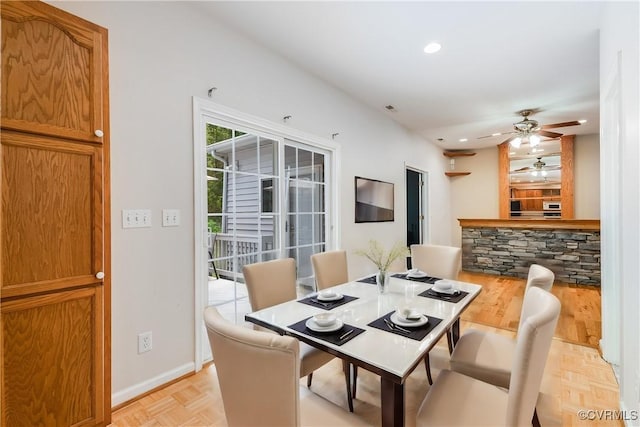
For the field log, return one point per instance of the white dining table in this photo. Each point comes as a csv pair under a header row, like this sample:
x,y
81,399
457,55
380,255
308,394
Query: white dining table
x,y
391,356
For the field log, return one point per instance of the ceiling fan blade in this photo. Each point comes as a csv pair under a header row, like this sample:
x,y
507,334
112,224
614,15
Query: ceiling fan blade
x,y
498,134
549,134
561,125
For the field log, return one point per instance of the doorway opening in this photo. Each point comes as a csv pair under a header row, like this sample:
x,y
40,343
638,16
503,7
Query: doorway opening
x,y
416,198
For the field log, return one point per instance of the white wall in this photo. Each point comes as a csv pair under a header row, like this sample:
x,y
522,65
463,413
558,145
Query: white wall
x,y
586,176
161,54
475,195
619,36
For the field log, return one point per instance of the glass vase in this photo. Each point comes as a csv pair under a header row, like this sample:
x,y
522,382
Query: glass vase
x,y
382,279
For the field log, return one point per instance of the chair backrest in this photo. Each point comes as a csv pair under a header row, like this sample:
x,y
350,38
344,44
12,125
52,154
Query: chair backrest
x,y
270,282
437,261
258,373
541,310
539,277
330,268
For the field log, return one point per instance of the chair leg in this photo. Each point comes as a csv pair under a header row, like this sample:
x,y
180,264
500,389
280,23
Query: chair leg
x,y
309,379
346,367
427,365
535,422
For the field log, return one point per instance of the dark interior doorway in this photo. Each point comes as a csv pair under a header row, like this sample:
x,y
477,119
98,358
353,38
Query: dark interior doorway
x,y
415,215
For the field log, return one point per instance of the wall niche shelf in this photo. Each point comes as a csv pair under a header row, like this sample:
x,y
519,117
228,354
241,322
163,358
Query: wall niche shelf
x,y
452,155
458,153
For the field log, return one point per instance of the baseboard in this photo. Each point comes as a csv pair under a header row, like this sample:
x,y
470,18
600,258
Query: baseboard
x,y
136,390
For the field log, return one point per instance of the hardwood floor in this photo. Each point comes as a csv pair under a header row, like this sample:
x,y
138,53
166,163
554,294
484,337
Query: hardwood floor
x,y
576,377
499,304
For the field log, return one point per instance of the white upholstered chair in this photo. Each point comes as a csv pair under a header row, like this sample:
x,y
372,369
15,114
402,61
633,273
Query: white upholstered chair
x,y
457,399
437,261
330,268
258,377
274,282
489,356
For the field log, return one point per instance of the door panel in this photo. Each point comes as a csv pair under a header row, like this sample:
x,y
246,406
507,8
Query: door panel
x,y
36,334
51,73
51,214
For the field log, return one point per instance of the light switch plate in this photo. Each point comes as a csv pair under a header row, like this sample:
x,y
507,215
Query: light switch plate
x,y
170,217
136,218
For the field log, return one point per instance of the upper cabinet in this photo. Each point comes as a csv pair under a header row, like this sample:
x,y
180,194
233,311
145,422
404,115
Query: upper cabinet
x,y
537,182
54,68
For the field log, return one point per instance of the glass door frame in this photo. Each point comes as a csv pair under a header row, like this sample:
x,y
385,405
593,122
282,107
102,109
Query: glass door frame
x,y
205,111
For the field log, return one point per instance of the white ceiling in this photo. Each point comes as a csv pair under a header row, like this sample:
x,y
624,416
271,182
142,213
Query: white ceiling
x,y
497,58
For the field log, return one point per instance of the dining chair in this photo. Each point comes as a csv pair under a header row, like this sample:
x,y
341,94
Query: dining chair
x,y
259,382
437,261
488,356
330,268
274,282
457,399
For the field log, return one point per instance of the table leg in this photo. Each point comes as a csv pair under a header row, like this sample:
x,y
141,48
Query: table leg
x,y
392,403
455,332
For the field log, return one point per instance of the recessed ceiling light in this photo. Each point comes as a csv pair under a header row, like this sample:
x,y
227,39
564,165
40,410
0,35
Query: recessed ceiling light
x,y
432,47
582,121
463,140
496,134
390,108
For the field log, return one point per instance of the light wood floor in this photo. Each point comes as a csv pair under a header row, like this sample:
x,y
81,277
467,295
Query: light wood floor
x,y
500,301
575,377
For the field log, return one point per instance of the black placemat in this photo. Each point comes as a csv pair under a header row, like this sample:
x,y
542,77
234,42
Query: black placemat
x,y
426,279
370,280
415,333
327,305
332,337
453,298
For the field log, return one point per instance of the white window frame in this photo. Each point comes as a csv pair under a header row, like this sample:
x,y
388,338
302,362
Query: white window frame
x,y
205,111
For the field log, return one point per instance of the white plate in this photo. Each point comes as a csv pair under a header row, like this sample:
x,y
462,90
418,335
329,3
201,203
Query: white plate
x,y
409,323
416,274
311,324
335,297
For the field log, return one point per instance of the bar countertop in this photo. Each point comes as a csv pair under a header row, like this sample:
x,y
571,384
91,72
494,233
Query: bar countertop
x,y
548,224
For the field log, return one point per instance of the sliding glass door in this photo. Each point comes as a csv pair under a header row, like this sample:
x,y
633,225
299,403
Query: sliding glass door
x,y
266,199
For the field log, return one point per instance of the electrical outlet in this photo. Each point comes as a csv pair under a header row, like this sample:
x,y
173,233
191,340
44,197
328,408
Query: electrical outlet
x,y
145,342
170,217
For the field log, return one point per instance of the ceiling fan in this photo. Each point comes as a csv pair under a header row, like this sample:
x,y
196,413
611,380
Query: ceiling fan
x,y
538,168
530,131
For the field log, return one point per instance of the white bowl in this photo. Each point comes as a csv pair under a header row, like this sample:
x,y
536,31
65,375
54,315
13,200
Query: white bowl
x,y
325,319
408,313
327,294
443,285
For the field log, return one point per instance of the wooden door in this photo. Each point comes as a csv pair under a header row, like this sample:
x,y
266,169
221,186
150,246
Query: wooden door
x,y
54,228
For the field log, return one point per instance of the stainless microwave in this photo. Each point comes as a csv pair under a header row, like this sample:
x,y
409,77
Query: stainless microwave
x,y
551,206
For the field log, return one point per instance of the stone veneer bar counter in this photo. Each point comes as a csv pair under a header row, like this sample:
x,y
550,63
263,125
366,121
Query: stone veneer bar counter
x,y
507,247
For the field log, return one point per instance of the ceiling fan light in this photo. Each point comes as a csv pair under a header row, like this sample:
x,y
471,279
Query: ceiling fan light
x,y
534,173
543,173
534,140
515,142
